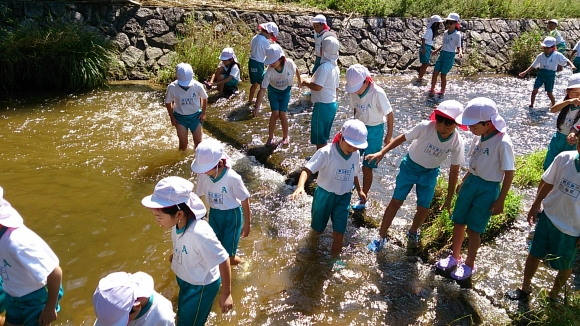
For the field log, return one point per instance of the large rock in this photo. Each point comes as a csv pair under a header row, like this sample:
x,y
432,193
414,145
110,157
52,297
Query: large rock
x,y
155,27
122,42
131,56
132,27
164,41
153,53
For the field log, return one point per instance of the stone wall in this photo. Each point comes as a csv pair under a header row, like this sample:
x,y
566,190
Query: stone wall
x,y
145,37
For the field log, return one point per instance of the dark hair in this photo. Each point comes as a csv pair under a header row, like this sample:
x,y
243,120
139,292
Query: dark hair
x,y
435,28
444,120
172,210
563,113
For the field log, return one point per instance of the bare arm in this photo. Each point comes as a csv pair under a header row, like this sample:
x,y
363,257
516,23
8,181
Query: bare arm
x,y
389,135
53,281
259,98
525,72
361,194
533,213
498,204
298,77
169,107
223,81
453,177
301,182
226,302
311,85
203,108
393,144
247,217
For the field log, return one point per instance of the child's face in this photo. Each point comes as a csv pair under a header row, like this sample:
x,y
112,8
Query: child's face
x,y
363,88
276,64
450,25
573,92
547,50
164,220
480,128
552,26
317,27
227,62
445,129
345,147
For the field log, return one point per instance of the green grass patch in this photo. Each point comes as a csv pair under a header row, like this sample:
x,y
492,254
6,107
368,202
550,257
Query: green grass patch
x,y
546,313
524,50
202,44
53,55
529,169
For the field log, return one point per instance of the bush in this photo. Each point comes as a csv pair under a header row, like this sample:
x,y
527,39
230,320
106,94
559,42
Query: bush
x,y
524,50
53,55
529,169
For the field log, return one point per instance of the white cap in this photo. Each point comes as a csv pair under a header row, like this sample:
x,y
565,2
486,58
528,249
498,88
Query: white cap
x,y
481,109
273,53
355,133
227,54
270,27
433,19
116,294
319,19
207,155
355,77
555,21
171,191
9,217
449,109
549,42
574,81
330,47
453,16
184,74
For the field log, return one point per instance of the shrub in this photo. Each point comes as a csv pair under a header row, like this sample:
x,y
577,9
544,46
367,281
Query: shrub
x,y
472,64
524,50
529,169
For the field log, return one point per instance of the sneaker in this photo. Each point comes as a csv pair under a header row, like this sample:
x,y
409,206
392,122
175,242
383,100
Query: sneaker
x,y
413,238
269,143
431,93
463,272
359,206
440,94
517,295
447,263
376,245
286,141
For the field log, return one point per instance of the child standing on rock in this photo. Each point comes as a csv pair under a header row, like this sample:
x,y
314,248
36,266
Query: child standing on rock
x,y
451,44
258,47
427,45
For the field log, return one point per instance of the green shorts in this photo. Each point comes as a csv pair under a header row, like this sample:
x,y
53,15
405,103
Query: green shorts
x,y
547,78
576,63
413,174
375,137
445,62
256,70
325,205
549,243
279,99
473,202
227,225
558,144
194,302
26,309
561,47
190,121
321,122
425,58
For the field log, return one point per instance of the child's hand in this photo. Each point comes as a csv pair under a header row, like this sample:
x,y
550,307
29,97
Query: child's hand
x,y
47,316
202,117
171,258
226,302
533,215
522,74
376,156
497,207
574,101
446,205
173,121
299,191
362,196
458,188
460,55
571,138
245,230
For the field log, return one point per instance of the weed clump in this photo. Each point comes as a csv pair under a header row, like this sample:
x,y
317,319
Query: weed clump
x,y
524,50
529,169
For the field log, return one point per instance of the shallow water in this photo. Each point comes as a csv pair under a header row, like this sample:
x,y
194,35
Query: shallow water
x,y
77,166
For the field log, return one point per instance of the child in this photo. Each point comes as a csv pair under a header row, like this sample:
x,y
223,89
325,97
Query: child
x,y
130,299
198,258
337,165
557,235
30,272
432,142
227,75
451,43
226,194
323,84
547,62
278,80
320,27
555,33
427,44
575,56
491,163
258,46
186,102
371,106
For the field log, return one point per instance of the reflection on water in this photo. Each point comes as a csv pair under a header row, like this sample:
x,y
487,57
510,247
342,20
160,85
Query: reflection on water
x,y
77,166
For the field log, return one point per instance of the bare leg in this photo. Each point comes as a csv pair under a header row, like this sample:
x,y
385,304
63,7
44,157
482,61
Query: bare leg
x,y
197,135
182,134
235,260
284,123
533,98
551,96
219,76
419,218
458,236
530,269
389,215
434,80
422,70
559,282
338,239
253,89
367,179
443,83
272,124
472,247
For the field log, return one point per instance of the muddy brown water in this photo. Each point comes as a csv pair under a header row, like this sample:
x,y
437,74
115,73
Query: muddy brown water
x,y
77,166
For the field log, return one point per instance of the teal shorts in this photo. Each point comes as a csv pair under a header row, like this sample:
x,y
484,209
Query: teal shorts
x,y
473,202
561,47
227,225
190,121
412,174
194,302
426,58
375,137
321,122
232,84
256,70
325,205
547,78
445,62
25,310
576,63
316,64
558,144
279,99
2,297
549,243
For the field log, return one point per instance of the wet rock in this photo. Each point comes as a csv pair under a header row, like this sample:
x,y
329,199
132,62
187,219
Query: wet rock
x,y
131,56
405,60
132,27
347,60
348,45
364,58
357,23
368,45
285,41
138,75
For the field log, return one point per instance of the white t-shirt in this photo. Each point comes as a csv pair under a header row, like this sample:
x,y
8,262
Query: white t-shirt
x,y
562,204
550,63
568,121
577,49
318,43
451,41
556,34
159,314
429,150
26,261
336,172
372,108
428,36
489,159
327,76
197,253
234,72
185,102
280,79
258,48
225,192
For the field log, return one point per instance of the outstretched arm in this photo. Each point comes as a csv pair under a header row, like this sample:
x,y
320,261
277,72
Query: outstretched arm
x,y
498,205
393,144
53,281
301,182
247,217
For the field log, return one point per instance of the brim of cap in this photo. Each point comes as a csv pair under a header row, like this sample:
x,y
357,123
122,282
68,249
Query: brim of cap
x,y
14,220
361,145
432,118
450,19
547,46
151,202
196,206
269,61
224,58
203,168
185,83
466,121
353,88
499,123
122,322
576,85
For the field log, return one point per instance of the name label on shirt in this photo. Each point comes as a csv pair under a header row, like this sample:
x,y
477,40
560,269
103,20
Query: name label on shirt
x,y
343,174
435,151
479,150
569,188
215,198
188,100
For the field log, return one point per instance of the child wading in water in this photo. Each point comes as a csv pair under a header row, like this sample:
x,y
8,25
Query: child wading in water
x,y
547,62
338,167
186,102
491,164
227,75
258,46
278,81
226,194
372,107
198,258
427,45
451,43
432,142
320,27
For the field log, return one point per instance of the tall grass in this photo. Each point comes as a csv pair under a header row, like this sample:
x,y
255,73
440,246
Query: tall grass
x,y
524,50
529,169
53,55
201,46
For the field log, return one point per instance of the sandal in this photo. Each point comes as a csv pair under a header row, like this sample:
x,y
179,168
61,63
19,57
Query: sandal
x,y
286,141
463,272
447,263
269,143
376,245
517,295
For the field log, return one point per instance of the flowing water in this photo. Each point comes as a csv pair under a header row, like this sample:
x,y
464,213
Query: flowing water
x,y
77,166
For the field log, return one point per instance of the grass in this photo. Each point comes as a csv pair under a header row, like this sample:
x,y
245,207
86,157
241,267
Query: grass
x,y
201,46
472,64
524,50
547,313
529,169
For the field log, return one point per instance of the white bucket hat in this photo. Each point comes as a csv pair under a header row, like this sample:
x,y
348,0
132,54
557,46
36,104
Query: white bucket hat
x,y
355,133
433,19
481,109
273,53
207,155
555,21
227,54
453,16
116,294
184,74
355,77
330,47
319,19
574,81
271,28
549,42
171,191
9,217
